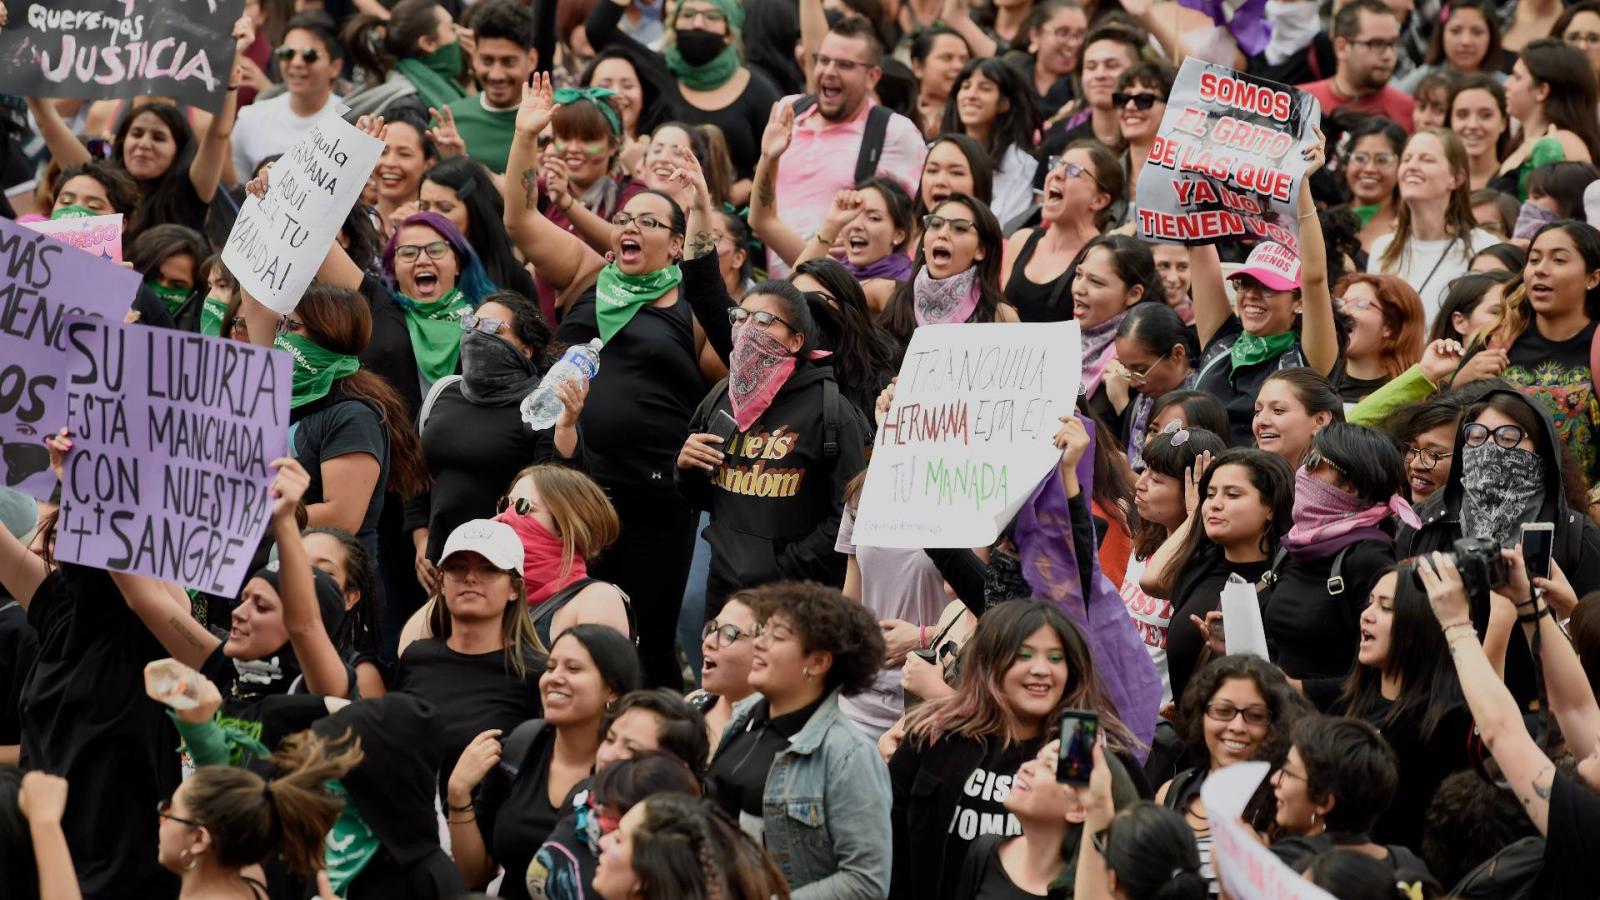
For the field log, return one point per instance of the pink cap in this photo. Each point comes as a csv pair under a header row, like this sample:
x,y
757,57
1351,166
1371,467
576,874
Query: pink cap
x,y
1274,265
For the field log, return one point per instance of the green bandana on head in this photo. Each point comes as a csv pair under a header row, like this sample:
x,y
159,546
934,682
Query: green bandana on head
x,y
437,75
73,212
435,330
618,295
597,95
211,311
173,297
313,368
1251,350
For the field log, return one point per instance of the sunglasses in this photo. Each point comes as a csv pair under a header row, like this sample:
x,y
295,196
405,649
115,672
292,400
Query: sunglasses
x,y
481,324
522,506
1315,460
738,316
727,635
410,252
286,54
1139,101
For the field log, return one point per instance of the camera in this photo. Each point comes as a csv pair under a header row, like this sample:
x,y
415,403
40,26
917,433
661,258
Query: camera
x,y
1482,570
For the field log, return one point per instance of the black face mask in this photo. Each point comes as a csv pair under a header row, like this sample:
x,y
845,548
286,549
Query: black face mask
x,y
699,47
494,373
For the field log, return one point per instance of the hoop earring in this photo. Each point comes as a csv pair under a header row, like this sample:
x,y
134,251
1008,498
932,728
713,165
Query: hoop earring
x,y
806,672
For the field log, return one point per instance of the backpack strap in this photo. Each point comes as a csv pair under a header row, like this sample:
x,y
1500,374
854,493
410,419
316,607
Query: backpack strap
x,y
559,599
1336,574
1594,362
518,744
433,395
872,142
803,103
830,421
1270,577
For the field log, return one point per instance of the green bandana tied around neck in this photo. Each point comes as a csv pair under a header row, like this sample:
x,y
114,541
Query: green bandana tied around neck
x,y
597,95
708,77
1249,349
73,212
435,330
173,297
436,76
1364,214
618,295
211,310
313,368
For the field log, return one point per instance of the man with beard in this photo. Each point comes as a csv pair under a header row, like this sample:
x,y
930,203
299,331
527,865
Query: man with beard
x,y
1366,35
502,62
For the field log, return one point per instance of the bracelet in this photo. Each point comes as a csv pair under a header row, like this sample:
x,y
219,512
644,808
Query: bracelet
x,y
822,240
1463,623
1305,216
922,637
453,808
467,821
1536,616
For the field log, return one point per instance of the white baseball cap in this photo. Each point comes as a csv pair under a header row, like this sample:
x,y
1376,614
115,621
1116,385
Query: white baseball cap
x,y
495,541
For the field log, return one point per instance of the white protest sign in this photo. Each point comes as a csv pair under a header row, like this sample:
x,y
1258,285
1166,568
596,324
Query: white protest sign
x,y
970,434
279,241
1242,628
1247,869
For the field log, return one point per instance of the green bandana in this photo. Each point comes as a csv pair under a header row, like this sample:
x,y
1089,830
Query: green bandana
x,y
73,212
708,77
211,310
436,76
1364,214
173,297
597,95
436,332
1249,349
314,368
618,295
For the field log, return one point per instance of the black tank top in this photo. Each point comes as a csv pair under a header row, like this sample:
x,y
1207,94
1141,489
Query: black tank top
x,y
1036,302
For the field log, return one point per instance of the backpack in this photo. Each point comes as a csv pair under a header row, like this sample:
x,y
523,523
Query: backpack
x,y
832,403
515,748
1511,874
871,139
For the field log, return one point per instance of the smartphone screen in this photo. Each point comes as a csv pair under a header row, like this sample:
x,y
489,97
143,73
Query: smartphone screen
x,y
1079,730
723,426
1538,540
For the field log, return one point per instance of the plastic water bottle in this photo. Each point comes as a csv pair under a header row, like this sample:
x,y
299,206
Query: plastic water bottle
x,y
173,683
541,408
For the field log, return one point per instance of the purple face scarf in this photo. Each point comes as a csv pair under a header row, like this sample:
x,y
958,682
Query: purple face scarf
x,y
935,301
895,267
1099,349
1327,520
1044,543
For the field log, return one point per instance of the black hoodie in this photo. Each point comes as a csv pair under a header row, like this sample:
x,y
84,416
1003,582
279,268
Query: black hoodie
x,y
776,500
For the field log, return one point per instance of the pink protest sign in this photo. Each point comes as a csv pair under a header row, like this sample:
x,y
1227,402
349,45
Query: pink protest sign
x,y
97,235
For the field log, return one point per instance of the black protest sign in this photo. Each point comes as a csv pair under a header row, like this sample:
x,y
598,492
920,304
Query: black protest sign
x,y
182,49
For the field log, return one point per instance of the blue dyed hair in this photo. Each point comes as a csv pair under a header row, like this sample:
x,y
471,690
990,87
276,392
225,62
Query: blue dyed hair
x,y
472,280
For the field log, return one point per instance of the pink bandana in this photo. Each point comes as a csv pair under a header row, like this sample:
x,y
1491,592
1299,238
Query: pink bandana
x,y
542,556
1329,519
757,369
935,301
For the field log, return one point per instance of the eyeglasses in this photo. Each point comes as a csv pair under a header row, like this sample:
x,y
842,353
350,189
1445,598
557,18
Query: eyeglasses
x,y
1507,436
410,252
1286,772
774,632
589,150
481,324
522,506
1142,377
845,66
1352,304
286,324
932,224
1424,457
1073,170
164,811
1381,160
1222,711
1315,460
708,16
1139,101
1581,39
645,222
237,323
286,54
727,635
1377,45
738,316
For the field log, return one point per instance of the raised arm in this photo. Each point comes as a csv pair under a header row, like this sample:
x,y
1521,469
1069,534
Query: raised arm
x,y
1317,336
846,206
205,170
956,14
1157,579
1210,295
813,29
563,260
1572,699
169,621
64,146
43,801
779,238
324,672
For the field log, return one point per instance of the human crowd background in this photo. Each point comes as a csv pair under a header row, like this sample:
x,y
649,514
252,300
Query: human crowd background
x,y
637,653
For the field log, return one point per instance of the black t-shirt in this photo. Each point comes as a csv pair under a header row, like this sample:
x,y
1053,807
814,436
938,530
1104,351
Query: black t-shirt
x,y
1237,391
470,693
980,810
1196,593
637,414
339,425
515,815
1572,840
389,352
1555,374
85,716
990,880
18,648
738,776
1355,390
1313,632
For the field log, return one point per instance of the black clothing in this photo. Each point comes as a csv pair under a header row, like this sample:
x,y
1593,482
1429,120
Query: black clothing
x,y
1237,391
1036,302
1313,63
738,774
338,425
515,815
19,646
1571,841
470,693
1312,631
389,352
1295,850
85,717
1354,390
984,876
650,562
1197,591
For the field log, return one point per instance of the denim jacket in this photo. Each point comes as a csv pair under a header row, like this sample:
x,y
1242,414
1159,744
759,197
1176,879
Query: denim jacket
x,y
826,807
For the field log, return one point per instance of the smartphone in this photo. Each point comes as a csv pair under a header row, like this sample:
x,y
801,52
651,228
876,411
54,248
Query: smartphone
x,y
1080,728
1538,541
723,426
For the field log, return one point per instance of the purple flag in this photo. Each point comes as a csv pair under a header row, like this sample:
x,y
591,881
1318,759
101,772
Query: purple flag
x,y
1246,20
1044,544
173,435
43,280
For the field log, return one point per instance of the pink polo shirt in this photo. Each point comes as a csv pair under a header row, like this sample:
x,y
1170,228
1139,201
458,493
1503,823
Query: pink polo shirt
x,y
821,162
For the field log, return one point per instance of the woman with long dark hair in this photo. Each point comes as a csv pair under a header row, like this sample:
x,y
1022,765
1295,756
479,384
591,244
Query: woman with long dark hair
x,y
169,257
1426,432
956,164
1155,357
674,846
1465,43
938,56
1372,149
873,223
337,553
1293,406
413,56
1477,114
1552,95
994,106
1472,305
1111,276
864,356
462,191
957,271
1079,194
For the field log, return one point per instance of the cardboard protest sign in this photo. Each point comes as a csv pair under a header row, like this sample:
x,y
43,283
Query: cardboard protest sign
x,y
1226,162
42,280
970,434
181,49
1246,868
97,235
172,437
279,241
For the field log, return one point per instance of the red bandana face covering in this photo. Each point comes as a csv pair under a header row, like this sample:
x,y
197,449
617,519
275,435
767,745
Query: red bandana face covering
x,y
541,557
757,370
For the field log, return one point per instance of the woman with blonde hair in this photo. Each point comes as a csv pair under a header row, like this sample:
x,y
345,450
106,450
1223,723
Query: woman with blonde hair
x,y
1435,234
1386,333
564,520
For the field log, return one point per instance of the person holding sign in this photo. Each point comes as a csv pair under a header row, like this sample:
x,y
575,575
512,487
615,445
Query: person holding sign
x,y
440,280
1285,316
957,271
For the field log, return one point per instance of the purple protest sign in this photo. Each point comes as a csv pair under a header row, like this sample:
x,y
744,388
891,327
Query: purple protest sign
x,y
42,280
173,435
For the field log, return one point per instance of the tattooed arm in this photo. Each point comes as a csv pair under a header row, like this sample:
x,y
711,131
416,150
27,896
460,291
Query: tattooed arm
x,y
779,238
168,620
562,259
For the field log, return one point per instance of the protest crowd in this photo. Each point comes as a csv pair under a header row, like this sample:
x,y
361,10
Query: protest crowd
x,y
736,449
